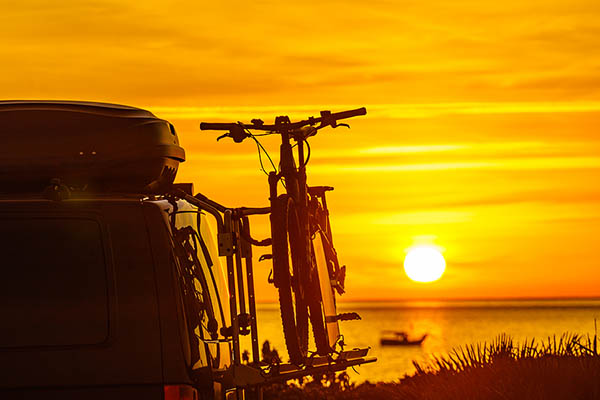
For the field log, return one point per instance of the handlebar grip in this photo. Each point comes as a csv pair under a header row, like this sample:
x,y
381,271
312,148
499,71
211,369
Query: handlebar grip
x,y
216,126
349,113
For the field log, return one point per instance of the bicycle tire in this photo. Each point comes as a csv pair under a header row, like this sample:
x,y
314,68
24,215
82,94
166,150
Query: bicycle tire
x,y
314,297
317,315
287,249
323,306
323,312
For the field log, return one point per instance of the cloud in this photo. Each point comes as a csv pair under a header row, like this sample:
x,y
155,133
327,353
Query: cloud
x,y
484,111
521,164
391,111
585,82
267,53
517,197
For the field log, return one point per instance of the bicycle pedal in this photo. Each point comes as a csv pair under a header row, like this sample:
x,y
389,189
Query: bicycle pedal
x,y
351,316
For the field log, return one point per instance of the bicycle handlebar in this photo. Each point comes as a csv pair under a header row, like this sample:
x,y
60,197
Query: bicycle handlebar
x,y
348,114
282,124
216,126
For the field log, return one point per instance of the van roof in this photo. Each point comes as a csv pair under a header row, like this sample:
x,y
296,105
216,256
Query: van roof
x,y
90,107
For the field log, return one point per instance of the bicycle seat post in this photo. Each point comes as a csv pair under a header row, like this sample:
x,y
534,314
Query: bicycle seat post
x,y
273,179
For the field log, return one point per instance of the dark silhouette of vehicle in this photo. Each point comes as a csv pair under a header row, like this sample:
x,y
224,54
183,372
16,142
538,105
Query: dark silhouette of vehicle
x,y
112,285
92,295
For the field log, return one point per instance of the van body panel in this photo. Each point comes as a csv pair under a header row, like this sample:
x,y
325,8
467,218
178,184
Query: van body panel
x,y
131,354
119,392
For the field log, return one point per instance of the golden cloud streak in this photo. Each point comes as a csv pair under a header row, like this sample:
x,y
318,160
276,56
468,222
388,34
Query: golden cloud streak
x,y
394,111
545,163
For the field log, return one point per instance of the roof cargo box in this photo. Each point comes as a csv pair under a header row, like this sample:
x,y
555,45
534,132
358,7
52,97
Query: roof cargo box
x,y
87,146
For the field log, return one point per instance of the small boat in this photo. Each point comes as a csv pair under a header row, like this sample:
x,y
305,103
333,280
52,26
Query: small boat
x,y
400,339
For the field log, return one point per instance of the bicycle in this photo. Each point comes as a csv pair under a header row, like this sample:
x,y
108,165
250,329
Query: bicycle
x,y
306,270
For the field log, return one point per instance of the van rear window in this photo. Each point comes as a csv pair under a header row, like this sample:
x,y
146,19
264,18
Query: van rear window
x,y
53,284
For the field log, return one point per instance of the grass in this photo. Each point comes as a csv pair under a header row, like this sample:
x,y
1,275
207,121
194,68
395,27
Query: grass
x,y
567,367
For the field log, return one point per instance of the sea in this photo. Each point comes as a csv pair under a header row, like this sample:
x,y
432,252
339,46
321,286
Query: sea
x,y
448,325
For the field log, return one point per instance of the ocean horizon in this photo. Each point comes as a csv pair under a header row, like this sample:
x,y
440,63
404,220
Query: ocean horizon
x,y
448,324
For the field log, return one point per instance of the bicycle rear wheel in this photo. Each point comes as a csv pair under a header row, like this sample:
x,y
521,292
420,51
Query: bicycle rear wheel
x,y
288,273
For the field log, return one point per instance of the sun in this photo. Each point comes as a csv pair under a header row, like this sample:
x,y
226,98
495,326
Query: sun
x,y
424,264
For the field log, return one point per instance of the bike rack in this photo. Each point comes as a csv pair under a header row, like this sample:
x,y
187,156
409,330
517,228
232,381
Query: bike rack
x,y
232,228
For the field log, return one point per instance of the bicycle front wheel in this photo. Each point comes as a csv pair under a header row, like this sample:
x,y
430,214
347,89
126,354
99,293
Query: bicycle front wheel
x,y
288,272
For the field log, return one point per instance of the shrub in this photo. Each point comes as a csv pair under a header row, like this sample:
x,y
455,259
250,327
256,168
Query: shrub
x,y
567,367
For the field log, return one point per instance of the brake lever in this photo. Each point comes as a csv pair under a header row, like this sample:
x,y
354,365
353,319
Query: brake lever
x,y
328,120
237,133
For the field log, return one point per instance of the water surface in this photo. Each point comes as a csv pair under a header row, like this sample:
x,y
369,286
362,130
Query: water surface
x,y
449,324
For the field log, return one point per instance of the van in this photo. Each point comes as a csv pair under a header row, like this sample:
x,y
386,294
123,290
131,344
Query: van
x,y
112,283
94,301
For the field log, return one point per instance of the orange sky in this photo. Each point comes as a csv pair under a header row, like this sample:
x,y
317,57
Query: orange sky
x,y
481,138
